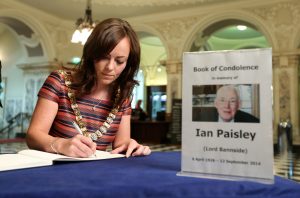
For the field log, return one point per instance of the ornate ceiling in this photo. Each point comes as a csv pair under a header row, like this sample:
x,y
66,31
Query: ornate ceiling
x,y
148,2
73,9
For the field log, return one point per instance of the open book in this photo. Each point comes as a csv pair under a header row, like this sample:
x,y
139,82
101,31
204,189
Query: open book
x,y
32,158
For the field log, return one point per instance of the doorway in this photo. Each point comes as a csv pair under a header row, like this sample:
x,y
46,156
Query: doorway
x,y
156,105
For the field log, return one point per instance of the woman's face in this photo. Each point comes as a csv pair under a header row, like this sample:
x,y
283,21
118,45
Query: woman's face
x,y
110,68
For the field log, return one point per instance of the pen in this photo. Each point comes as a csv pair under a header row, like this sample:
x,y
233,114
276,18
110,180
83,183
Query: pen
x,y
79,130
77,127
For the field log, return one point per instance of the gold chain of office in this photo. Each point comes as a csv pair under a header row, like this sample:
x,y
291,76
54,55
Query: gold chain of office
x,y
82,125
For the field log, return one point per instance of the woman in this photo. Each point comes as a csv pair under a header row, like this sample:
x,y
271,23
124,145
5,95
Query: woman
x,y
138,112
96,97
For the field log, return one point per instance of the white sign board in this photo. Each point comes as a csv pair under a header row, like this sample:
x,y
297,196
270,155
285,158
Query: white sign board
x,y
227,115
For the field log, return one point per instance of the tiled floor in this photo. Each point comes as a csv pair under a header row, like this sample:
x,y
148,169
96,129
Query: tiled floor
x,y
286,164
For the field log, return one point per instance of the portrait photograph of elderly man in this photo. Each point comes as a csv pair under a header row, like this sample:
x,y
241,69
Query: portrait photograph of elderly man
x,y
226,103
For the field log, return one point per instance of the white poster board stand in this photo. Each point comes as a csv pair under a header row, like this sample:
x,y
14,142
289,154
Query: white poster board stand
x,y
227,115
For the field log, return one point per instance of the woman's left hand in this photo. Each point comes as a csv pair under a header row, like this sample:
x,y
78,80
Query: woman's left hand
x,y
133,149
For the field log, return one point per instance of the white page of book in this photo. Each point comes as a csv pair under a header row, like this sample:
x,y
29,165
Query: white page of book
x,y
56,157
17,161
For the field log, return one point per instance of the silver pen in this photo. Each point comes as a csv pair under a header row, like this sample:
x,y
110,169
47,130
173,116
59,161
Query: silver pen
x,y
77,127
79,131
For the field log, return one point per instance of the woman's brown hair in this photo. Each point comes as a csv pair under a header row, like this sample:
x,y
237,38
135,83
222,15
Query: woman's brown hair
x,y
104,38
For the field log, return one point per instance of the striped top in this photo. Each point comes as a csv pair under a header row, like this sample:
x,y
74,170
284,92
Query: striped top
x,y
55,89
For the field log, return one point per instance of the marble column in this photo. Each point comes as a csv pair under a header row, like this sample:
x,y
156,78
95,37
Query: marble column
x,y
174,82
286,93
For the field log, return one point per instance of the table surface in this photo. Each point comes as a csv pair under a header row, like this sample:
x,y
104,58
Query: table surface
x,y
150,176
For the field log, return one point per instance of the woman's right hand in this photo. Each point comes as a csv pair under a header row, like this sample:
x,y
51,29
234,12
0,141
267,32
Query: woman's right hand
x,y
77,146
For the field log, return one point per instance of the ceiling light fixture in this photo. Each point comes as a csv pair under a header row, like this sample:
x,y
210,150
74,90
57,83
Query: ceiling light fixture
x,y
241,27
159,68
84,26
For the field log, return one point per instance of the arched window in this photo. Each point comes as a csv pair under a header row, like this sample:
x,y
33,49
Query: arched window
x,y
229,34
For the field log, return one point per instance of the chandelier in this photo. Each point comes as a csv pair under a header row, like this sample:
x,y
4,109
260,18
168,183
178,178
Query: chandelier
x,y
84,26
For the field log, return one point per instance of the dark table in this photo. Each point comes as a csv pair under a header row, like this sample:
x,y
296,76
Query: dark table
x,y
154,132
151,176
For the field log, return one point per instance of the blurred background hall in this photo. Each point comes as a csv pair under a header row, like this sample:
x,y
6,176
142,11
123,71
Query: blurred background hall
x,y
39,36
